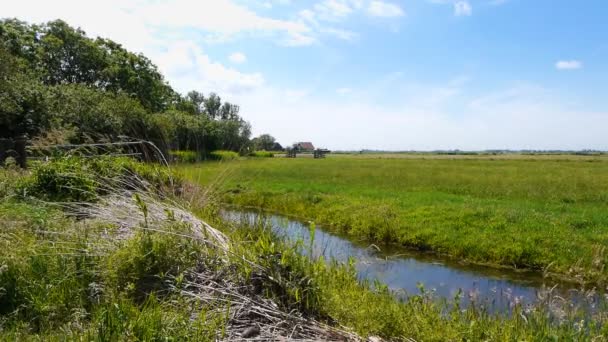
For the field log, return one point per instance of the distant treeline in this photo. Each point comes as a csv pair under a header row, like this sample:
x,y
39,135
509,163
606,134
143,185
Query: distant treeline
x,y
58,84
483,152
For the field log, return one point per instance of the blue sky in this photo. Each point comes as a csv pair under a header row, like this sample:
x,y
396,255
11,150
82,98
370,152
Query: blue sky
x,y
390,74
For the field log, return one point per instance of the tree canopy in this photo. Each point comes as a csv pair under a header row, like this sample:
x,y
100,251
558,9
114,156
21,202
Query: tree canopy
x,y
266,142
54,77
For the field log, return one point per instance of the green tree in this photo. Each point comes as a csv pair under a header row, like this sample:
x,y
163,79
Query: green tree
x,y
229,111
197,100
60,54
213,103
52,76
264,142
23,99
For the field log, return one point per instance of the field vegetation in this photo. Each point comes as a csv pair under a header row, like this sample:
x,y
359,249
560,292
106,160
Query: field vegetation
x,y
262,154
91,268
224,155
547,214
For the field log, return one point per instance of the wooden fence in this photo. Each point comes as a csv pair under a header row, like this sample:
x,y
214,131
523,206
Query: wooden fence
x,y
21,151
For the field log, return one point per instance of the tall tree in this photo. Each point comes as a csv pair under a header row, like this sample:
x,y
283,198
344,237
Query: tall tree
x,y
52,76
264,142
212,105
61,54
197,100
229,111
23,99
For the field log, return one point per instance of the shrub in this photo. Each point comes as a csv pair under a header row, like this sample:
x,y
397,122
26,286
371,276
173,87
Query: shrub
x,y
262,154
224,155
38,283
142,264
7,181
79,179
59,280
184,156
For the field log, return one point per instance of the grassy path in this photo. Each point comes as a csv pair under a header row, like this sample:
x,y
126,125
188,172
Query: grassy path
x,y
545,213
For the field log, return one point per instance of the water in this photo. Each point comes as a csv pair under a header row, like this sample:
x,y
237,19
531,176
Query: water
x,y
404,270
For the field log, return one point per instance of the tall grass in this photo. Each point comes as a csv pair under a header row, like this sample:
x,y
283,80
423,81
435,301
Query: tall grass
x,y
224,155
262,154
184,156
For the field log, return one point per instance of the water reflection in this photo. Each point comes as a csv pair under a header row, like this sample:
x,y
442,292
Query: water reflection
x,y
404,271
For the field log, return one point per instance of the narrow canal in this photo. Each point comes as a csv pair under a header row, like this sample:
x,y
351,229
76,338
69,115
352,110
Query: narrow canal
x,y
405,271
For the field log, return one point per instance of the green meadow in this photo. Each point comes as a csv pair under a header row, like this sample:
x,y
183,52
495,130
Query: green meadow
x,y
547,213
134,269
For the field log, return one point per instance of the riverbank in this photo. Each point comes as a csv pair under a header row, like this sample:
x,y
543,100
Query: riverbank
x,y
547,215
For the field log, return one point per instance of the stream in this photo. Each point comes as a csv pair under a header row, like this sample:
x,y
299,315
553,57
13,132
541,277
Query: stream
x,y
404,270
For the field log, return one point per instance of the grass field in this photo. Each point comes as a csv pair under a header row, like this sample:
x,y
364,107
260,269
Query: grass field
x,y
548,213
128,274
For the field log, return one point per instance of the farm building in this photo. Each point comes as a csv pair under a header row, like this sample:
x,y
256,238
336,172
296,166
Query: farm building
x,y
304,146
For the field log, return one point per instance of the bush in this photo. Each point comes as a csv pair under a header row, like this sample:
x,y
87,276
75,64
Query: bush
x,y
7,181
224,155
143,264
38,283
184,156
78,179
262,154
76,282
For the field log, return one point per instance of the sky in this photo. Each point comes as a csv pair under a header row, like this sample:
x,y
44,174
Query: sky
x,y
376,74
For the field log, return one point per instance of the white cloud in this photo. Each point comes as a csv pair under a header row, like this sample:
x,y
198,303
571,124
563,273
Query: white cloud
x,y
339,10
344,91
187,67
323,16
462,8
569,65
522,116
341,34
137,23
308,15
294,95
333,10
384,9
238,58
223,17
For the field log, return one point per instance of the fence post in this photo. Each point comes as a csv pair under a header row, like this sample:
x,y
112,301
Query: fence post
x,y
4,147
20,144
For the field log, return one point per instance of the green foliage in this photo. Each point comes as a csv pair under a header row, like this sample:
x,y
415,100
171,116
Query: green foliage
x,y
184,156
53,77
64,55
95,113
43,283
143,264
224,155
78,179
266,142
261,154
154,321
544,214
23,99
58,281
